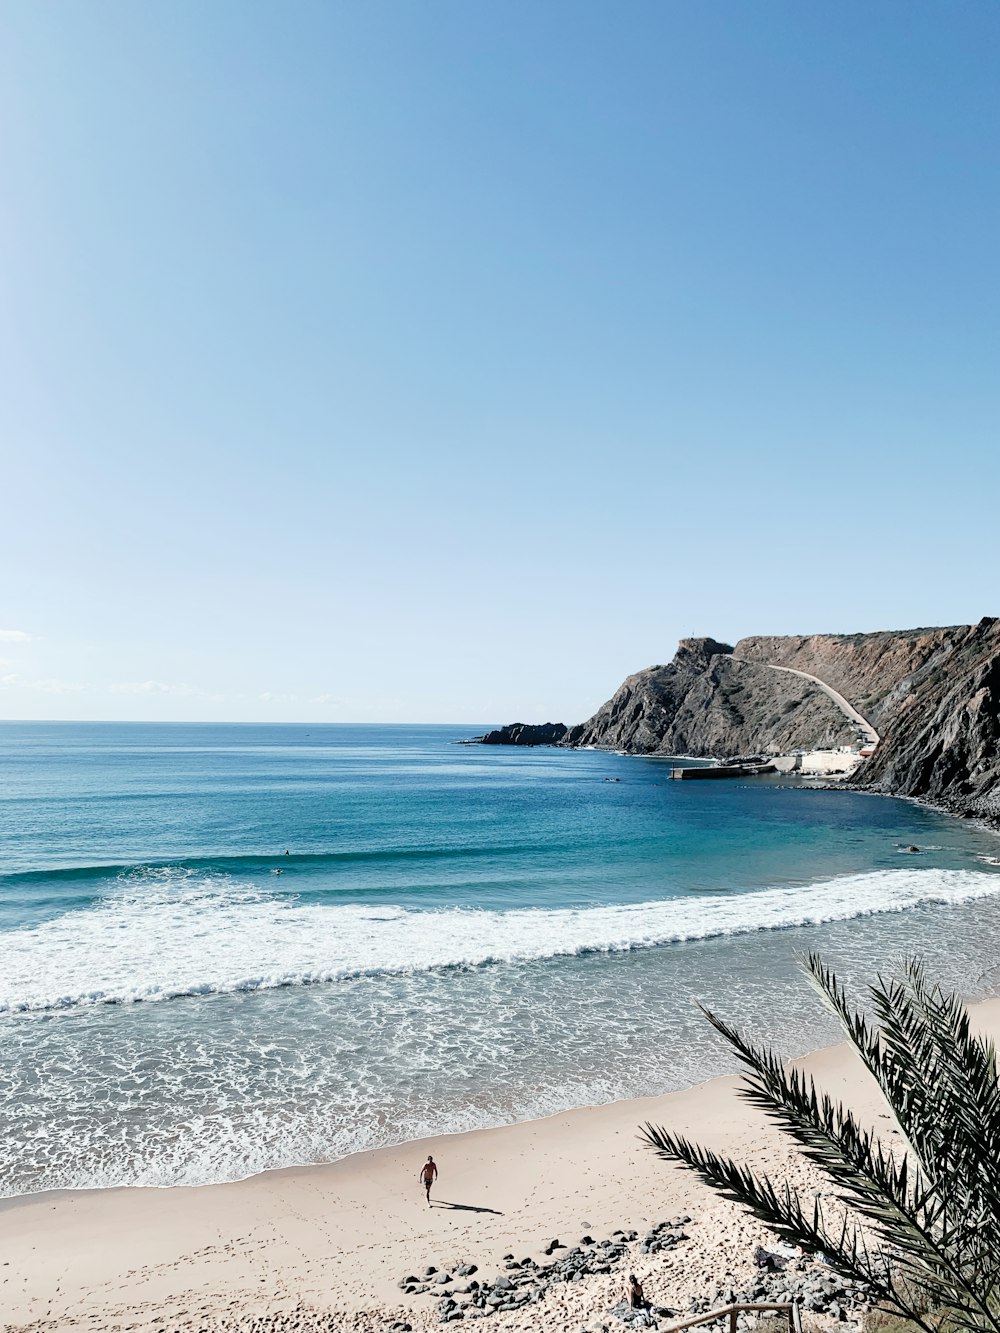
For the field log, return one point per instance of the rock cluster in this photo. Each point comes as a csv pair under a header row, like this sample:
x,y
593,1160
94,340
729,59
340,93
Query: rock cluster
x,y
302,1319
814,1287
524,1282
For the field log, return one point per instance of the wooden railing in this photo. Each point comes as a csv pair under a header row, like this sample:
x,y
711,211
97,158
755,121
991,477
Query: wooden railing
x,y
789,1310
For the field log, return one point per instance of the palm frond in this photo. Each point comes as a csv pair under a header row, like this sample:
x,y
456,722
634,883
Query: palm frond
x,y
925,1219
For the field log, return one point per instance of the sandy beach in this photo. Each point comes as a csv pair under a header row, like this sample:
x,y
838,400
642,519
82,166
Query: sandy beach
x,y
427,690
338,1238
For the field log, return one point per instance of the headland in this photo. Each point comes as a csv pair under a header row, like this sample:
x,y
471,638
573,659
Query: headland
x,y
911,713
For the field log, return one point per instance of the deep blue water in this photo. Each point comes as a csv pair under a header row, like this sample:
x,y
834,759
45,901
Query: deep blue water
x,y
451,932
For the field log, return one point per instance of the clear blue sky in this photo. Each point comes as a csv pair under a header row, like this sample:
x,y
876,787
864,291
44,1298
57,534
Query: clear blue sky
x,y
448,361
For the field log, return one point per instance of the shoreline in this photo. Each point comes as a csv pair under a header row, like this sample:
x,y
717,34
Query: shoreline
x,y
338,1237
987,820
8,1202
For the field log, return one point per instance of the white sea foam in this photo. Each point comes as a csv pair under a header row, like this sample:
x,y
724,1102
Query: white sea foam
x,y
170,934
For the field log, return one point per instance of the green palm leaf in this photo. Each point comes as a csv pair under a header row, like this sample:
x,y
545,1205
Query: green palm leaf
x,y
920,1224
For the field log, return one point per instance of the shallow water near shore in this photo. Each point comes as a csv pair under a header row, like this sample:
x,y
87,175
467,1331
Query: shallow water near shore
x,y
459,936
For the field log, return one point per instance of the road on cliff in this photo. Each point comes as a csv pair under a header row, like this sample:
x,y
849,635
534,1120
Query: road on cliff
x,y
848,709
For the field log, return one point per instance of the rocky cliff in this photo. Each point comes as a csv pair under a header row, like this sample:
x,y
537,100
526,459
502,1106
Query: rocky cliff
x,y
941,732
932,694
875,672
707,703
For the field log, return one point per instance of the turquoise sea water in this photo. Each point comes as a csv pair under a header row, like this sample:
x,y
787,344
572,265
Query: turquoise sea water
x,y
458,935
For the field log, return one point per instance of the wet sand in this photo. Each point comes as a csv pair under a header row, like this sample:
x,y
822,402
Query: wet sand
x,y
336,1239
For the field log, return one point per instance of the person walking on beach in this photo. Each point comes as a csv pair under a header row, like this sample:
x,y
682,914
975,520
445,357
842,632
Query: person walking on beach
x,y
427,1177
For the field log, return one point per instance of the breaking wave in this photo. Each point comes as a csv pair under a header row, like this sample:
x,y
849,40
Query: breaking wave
x,y
169,933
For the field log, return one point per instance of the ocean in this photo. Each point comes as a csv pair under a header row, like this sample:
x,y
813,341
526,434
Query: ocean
x,y
225,949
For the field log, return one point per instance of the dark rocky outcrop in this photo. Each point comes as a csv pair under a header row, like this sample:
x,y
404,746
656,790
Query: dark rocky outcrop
x,y
525,733
942,740
526,1282
706,703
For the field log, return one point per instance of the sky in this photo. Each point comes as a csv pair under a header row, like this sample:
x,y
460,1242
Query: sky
x,y
447,362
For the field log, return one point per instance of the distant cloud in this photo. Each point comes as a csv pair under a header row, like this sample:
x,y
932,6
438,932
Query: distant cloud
x,y
268,697
155,687
13,681
325,699
15,636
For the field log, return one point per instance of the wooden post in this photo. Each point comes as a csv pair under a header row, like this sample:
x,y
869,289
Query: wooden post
x,y
790,1311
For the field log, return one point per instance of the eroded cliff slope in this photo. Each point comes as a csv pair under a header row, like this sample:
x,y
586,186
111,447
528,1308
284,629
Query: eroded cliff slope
x,y
932,694
706,703
942,736
876,672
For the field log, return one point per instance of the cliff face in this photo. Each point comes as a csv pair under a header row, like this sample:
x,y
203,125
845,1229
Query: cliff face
x,y
875,672
942,739
706,703
932,694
